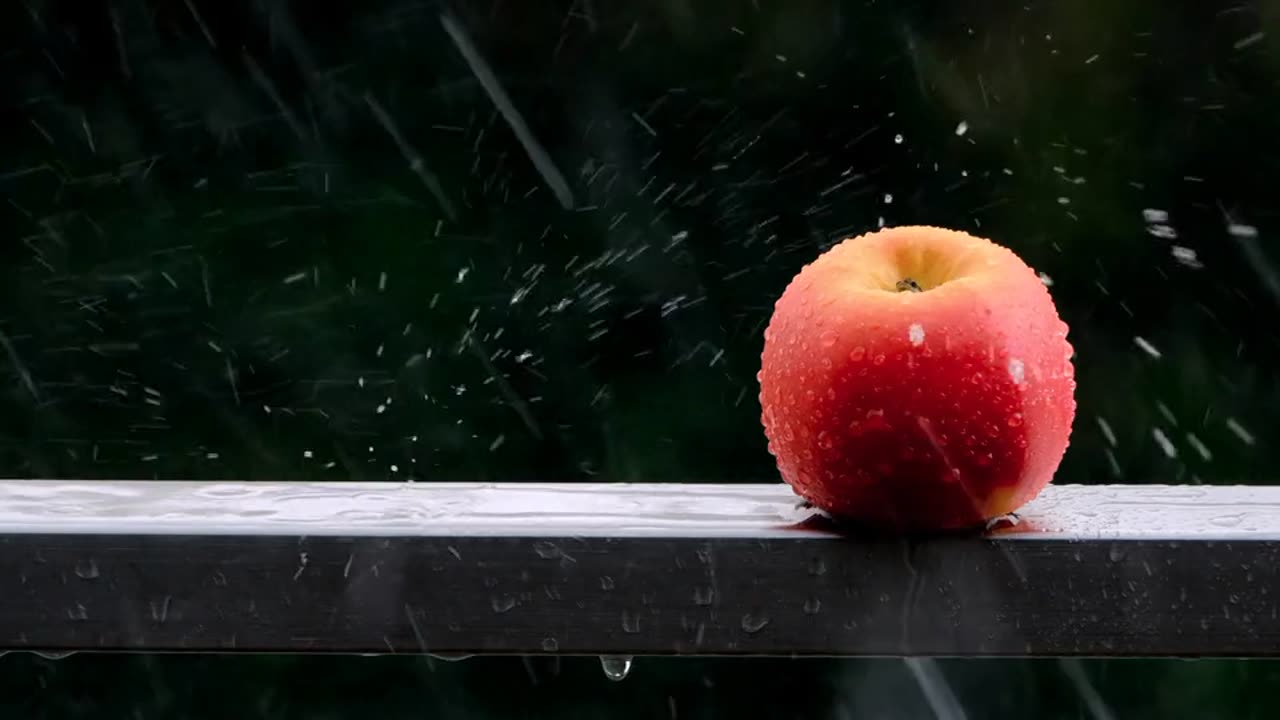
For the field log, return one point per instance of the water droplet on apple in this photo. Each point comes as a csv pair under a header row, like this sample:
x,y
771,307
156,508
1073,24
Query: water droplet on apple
x,y
1022,441
984,460
874,422
857,354
1015,420
828,339
915,334
824,441
1017,371
879,359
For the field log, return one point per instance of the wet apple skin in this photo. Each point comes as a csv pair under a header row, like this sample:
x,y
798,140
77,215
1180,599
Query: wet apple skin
x,y
927,410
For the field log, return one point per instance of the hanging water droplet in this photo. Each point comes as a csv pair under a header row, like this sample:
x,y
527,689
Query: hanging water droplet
x,y
616,667
451,657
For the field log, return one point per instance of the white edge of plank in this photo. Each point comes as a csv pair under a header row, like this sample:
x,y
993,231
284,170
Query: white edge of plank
x,y
622,510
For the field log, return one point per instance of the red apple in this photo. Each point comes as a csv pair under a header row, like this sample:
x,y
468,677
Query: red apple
x,y
917,379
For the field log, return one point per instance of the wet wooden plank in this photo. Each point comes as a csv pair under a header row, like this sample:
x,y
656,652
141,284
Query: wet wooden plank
x,y
620,569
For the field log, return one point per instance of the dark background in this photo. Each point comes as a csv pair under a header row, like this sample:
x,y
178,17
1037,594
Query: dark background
x,y
289,241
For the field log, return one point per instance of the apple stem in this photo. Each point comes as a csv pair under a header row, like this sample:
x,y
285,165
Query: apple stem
x,y
909,285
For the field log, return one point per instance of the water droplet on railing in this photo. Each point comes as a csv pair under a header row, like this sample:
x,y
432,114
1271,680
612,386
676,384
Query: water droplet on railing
x,y
812,606
550,644
547,550
502,603
754,623
1227,520
87,569
616,667
630,622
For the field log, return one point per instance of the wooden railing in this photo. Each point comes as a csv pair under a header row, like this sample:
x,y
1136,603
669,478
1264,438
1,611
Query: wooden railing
x,y
621,570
